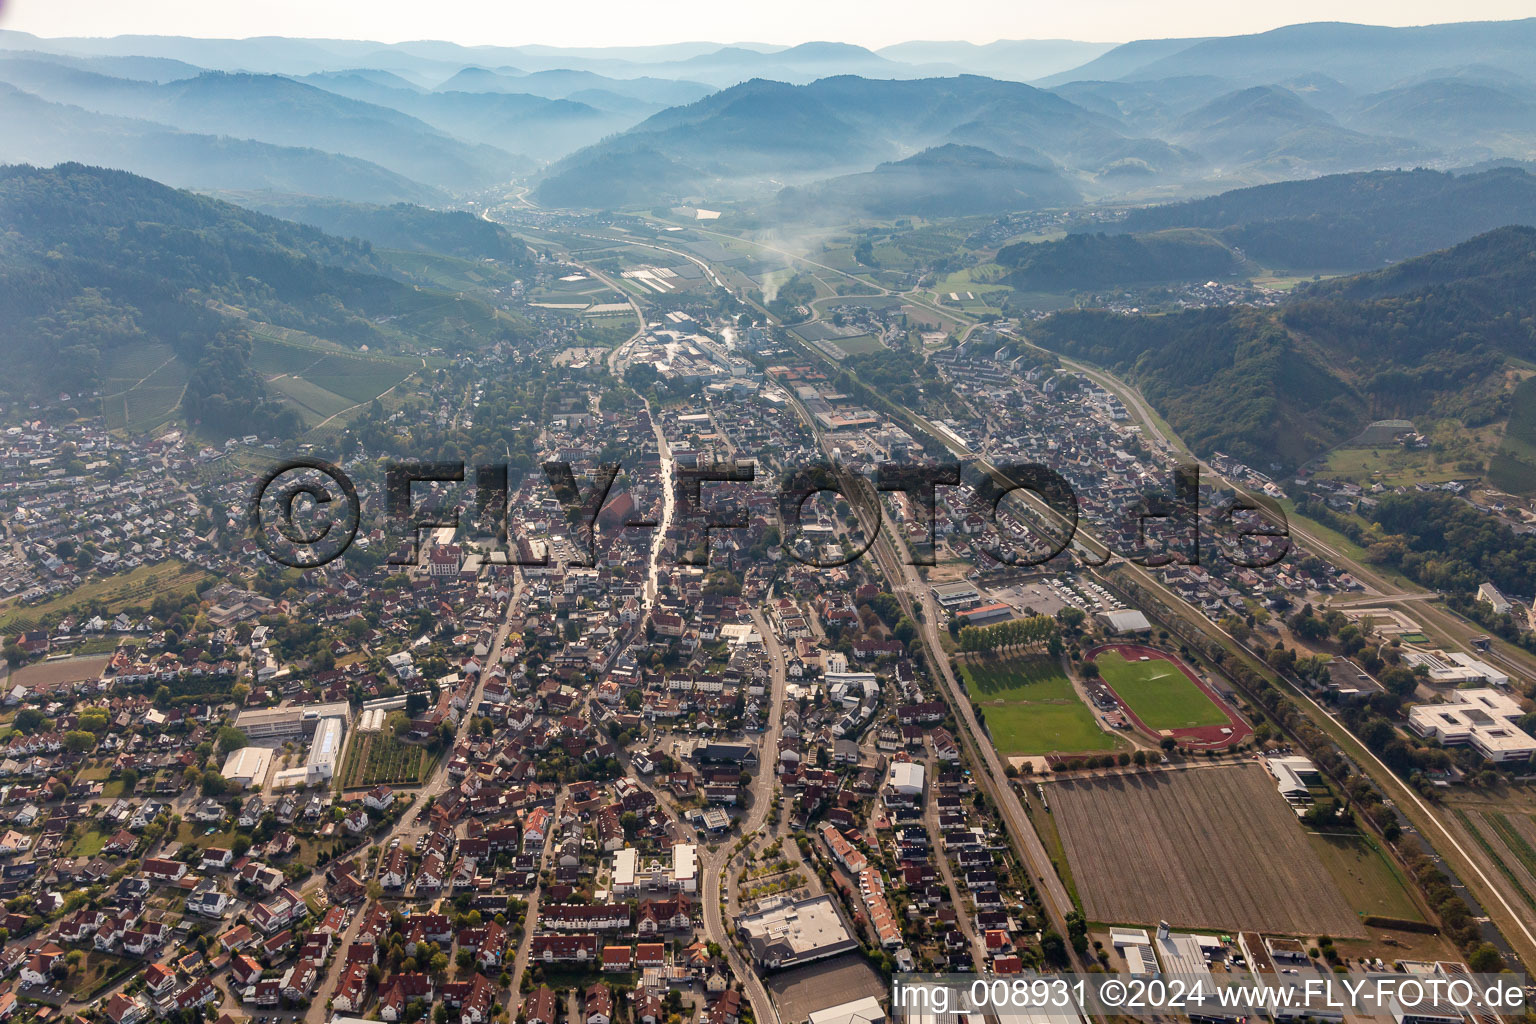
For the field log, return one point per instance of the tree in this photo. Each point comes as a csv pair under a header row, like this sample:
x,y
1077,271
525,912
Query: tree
x,y
77,741
14,655
230,739
93,720
1486,959
214,784
29,720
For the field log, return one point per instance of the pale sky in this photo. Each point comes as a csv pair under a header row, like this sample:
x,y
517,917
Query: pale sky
x,y
871,23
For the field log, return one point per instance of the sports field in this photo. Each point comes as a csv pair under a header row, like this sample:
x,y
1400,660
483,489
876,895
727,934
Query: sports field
x,y
1158,691
1030,707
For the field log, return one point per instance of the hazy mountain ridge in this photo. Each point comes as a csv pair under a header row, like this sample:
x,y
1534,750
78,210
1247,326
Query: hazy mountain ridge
x,y
40,132
773,130
278,111
1353,221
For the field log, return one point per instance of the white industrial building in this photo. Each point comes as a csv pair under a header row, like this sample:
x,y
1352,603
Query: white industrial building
x,y
959,594
631,877
1123,621
788,933
1180,953
1135,946
1482,718
288,722
320,764
859,1011
906,783
247,767
1293,777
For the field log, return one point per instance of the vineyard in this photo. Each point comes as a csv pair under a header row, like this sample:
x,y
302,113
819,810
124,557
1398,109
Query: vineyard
x,y
375,758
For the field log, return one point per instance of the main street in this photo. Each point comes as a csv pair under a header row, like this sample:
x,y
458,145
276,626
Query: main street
x,y
413,824
716,863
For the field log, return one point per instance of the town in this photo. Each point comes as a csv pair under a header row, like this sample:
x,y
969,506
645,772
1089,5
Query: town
x,y
655,769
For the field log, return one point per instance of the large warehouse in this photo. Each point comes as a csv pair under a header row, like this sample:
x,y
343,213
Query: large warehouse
x,y
247,767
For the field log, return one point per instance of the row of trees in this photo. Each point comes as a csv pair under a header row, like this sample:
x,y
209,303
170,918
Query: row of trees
x,y
1034,633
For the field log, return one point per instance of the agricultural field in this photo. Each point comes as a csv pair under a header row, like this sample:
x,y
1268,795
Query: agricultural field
x,y
45,675
859,344
1031,709
378,757
1503,838
1370,882
1158,692
1208,847
1390,465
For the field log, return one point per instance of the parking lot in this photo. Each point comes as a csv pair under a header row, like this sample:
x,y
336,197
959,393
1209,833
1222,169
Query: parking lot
x,y
1048,595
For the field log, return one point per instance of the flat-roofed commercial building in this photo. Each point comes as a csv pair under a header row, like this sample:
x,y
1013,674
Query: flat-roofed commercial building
x,y
794,932
1482,719
959,594
247,767
288,722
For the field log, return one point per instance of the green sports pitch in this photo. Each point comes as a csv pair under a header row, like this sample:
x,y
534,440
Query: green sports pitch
x,y
1159,692
1030,707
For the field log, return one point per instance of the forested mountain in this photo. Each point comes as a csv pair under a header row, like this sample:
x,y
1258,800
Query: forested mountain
x,y
1280,386
403,226
1090,261
946,181
95,262
40,132
1353,221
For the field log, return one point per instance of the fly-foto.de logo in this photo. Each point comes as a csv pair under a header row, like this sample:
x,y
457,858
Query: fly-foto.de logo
x,y
305,513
